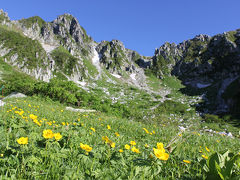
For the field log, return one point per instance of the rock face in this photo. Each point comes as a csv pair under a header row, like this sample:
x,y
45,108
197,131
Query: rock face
x,y
63,49
67,49
203,60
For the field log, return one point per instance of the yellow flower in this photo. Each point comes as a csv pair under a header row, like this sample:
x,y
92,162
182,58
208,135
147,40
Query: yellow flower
x,y
117,134
85,147
32,116
108,127
146,130
57,136
134,149
160,146
153,132
127,147
146,146
106,139
160,154
1,155
205,157
112,144
133,143
120,150
48,134
22,140
180,135
93,129
63,123
186,161
61,110
207,149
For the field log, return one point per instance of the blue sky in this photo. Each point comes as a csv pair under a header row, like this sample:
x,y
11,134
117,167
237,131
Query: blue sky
x,y
142,25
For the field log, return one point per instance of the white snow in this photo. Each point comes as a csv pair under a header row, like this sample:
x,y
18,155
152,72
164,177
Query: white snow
x,y
116,75
96,62
82,83
47,47
133,76
200,85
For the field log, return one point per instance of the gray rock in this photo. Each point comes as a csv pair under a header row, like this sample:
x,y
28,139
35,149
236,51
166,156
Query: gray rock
x,y
79,110
15,95
2,103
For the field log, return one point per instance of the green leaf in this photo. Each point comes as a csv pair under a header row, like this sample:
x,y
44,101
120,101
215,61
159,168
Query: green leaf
x,y
219,170
214,158
229,165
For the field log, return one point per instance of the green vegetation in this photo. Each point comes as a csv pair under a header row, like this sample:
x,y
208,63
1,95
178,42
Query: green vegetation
x,y
32,20
3,18
160,66
64,60
30,52
231,35
92,70
42,140
195,47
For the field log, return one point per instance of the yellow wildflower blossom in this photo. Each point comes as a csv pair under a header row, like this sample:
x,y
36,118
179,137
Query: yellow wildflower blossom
x,y
146,146
160,146
186,161
120,150
116,133
57,136
112,144
86,147
108,127
133,143
204,156
93,129
32,116
207,149
127,147
22,140
146,130
48,134
134,149
160,154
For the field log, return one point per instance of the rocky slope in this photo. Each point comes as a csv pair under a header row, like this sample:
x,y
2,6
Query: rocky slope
x,y
208,66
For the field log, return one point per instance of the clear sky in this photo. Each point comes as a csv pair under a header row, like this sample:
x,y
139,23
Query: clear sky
x,y
142,25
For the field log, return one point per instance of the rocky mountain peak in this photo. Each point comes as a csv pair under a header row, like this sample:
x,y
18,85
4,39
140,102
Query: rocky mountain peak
x,y
66,25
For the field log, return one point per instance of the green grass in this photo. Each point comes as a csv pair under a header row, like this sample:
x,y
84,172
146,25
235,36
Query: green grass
x,y
64,60
64,159
26,48
92,70
30,21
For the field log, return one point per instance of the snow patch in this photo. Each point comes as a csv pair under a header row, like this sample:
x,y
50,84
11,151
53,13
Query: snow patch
x,y
133,76
116,75
96,62
82,83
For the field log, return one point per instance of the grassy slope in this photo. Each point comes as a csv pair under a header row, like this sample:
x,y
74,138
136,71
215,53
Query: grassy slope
x,y
43,158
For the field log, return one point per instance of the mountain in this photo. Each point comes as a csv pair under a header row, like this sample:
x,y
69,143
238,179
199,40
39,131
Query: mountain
x,y
203,68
